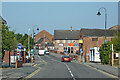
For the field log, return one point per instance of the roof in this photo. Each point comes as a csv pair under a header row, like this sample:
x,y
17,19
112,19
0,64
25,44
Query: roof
x,y
40,40
97,32
66,34
2,20
116,27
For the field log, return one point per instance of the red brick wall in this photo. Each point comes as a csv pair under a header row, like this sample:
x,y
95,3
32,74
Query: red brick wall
x,y
88,43
6,56
42,34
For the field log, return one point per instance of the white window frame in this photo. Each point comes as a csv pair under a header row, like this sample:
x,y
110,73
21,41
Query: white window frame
x,y
58,41
68,41
73,41
63,41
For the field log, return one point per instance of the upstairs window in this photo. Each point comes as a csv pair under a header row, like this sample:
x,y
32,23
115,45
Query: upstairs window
x,y
63,41
94,39
73,41
58,41
68,41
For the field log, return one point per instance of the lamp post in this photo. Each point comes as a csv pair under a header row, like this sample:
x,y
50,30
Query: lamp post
x,y
102,8
29,42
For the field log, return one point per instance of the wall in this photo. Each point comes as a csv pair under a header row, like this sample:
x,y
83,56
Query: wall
x,y
88,43
61,49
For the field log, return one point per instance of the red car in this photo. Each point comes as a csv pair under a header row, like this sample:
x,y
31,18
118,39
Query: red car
x,y
65,58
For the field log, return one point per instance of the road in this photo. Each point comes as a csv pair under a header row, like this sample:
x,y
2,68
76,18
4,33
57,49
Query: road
x,y
54,68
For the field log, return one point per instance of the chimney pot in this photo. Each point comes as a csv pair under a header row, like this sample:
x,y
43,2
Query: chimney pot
x,y
71,28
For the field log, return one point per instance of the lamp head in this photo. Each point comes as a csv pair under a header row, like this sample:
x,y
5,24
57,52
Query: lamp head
x,y
98,13
37,29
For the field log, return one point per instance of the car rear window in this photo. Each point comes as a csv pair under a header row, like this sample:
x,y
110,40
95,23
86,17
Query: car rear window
x,y
66,56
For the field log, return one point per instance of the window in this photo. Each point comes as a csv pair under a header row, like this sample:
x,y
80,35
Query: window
x,y
73,41
94,39
68,41
58,41
63,41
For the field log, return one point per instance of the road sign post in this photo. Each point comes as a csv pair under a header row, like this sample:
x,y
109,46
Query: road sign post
x,y
19,51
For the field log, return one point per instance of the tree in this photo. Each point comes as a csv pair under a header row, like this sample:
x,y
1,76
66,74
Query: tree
x,y
116,42
9,40
18,36
105,52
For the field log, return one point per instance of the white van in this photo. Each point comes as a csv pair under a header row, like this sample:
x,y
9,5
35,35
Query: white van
x,y
41,52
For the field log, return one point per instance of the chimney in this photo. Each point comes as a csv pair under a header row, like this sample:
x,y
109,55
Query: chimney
x,y
71,28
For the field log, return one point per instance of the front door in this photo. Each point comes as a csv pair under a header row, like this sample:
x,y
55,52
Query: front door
x,y
69,49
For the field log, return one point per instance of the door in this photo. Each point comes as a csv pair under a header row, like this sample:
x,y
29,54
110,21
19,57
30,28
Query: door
x,y
69,49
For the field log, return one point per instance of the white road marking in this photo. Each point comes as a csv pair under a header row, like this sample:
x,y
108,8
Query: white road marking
x,y
66,66
42,60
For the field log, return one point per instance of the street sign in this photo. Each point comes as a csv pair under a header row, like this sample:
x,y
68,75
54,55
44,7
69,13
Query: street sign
x,y
19,46
18,53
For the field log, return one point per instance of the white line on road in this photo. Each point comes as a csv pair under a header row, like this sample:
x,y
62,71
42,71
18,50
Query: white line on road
x,y
66,66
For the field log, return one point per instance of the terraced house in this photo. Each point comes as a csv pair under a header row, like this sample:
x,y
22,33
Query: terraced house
x,y
92,39
66,40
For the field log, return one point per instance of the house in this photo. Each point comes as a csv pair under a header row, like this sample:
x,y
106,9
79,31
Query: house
x,y
91,39
44,40
66,40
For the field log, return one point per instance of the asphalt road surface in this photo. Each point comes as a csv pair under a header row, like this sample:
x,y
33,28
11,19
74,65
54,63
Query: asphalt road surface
x,y
54,68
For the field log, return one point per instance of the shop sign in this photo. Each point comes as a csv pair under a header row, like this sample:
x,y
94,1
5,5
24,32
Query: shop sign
x,y
70,44
80,41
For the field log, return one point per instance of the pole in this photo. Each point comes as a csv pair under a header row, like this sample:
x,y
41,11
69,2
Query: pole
x,y
44,41
9,58
119,60
112,56
33,40
105,25
28,42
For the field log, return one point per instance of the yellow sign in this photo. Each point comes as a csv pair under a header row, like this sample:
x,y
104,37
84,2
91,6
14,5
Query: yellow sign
x,y
80,41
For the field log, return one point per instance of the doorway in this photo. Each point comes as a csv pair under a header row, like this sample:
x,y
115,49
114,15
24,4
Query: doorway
x,y
69,49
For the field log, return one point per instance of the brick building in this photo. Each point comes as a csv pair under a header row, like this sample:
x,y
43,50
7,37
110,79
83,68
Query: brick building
x,y
92,39
66,40
44,39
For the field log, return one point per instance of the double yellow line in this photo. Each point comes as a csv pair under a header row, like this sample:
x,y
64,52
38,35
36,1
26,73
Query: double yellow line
x,y
35,72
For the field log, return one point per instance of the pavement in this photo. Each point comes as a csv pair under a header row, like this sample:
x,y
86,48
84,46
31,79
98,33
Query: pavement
x,y
19,73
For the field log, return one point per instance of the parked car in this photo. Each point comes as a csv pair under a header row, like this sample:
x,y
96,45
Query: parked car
x,y
47,52
65,58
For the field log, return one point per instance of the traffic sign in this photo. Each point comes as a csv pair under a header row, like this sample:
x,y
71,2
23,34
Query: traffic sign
x,y
18,53
19,46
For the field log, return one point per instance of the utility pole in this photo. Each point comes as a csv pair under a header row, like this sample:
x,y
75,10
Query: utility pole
x,y
29,42
119,60
112,56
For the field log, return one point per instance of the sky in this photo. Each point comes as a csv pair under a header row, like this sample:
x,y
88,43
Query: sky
x,y
50,16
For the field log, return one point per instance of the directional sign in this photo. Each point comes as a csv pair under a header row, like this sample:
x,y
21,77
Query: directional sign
x,y
19,46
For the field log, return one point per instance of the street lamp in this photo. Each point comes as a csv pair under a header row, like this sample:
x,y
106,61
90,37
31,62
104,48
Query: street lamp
x,y
102,8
